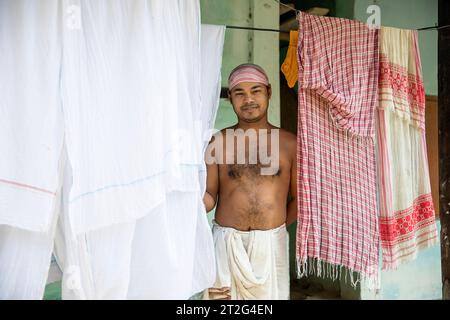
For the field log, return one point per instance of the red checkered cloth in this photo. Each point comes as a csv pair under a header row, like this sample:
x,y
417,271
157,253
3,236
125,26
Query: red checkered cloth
x,y
407,216
338,94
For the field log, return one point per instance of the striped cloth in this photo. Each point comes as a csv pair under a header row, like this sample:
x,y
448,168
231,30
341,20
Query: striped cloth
x,y
407,216
337,209
247,72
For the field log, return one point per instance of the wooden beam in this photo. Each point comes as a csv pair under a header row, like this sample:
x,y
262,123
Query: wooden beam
x,y
318,11
444,142
291,24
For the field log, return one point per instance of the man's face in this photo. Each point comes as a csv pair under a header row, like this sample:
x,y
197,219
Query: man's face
x,y
250,100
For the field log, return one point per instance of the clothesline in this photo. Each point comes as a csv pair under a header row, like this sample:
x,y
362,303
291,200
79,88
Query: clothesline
x,y
282,31
298,11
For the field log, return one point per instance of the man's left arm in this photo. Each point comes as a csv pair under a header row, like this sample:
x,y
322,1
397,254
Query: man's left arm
x,y
292,209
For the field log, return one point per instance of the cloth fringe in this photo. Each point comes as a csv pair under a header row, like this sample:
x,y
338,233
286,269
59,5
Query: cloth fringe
x,y
394,265
321,269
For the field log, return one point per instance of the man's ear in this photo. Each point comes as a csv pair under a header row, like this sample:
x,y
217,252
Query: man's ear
x,y
269,91
229,96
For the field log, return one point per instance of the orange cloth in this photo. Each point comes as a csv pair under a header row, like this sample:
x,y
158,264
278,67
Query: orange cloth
x,y
290,64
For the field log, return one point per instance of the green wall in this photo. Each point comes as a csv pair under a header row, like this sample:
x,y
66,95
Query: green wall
x,y
345,8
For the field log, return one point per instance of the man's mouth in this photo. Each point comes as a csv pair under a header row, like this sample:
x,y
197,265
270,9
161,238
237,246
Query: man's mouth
x,y
249,108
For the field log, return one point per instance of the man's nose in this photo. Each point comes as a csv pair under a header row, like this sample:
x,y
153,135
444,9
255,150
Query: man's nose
x,y
248,98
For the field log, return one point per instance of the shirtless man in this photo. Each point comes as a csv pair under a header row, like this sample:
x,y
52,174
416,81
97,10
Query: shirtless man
x,y
255,198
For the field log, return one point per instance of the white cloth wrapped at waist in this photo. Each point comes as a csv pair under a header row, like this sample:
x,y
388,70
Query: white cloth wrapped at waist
x,y
254,264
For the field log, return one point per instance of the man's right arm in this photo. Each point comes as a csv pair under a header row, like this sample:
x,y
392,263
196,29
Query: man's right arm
x,y
212,180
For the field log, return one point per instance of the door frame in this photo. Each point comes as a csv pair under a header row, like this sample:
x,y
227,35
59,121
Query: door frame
x,y
444,142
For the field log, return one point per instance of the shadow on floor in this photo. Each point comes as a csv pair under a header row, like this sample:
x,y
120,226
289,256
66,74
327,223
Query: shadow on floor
x,y
304,289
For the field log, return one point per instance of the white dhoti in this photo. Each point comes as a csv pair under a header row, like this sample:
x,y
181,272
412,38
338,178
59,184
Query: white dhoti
x,y
254,265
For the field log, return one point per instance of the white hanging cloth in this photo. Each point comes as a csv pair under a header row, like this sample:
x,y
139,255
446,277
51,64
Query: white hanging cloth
x,y
116,65
181,239
31,130
31,137
129,81
212,42
168,253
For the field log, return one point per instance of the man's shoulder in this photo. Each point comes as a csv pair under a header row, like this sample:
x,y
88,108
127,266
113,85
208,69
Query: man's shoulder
x,y
220,134
287,136
224,130
289,141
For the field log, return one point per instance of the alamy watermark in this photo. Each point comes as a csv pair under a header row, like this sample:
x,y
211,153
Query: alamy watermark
x,y
233,146
374,20
249,147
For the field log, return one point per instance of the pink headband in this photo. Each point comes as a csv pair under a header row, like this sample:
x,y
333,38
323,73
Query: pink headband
x,y
247,73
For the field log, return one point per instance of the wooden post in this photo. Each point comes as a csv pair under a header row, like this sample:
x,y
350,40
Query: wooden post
x,y
444,142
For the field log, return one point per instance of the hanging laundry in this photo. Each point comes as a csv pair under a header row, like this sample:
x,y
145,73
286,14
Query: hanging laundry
x,y
337,213
213,38
31,139
290,64
122,130
176,231
168,221
407,216
182,242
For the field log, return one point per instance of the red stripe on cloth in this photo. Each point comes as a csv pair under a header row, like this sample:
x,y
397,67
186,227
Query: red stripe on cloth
x,y
247,74
25,186
403,87
384,164
406,221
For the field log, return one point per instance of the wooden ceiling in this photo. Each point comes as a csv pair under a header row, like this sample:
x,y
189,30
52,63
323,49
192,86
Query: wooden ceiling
x,y
288,19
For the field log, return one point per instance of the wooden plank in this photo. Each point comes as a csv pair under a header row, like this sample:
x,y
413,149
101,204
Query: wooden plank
x,y
444,142
289,106
432,127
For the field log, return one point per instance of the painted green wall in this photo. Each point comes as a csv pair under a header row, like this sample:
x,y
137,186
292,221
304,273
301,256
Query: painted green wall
x,y
345,8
